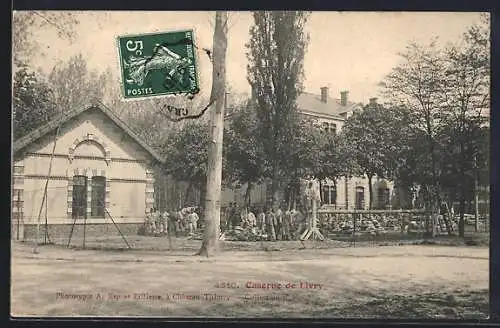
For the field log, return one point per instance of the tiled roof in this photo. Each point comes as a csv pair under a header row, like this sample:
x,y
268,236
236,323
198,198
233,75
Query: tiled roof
x,y
311,103
36,134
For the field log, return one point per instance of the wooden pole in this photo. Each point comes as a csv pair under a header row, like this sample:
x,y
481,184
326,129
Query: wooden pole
x,y
37,233
84,228
214,172
46,219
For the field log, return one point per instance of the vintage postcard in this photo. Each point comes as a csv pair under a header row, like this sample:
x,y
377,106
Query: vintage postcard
x,y
268,164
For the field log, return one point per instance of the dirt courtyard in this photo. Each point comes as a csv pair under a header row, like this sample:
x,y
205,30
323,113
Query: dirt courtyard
x,y
409,281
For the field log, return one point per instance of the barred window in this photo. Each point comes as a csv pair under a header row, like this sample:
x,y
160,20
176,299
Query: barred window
x,y
98,196
79,196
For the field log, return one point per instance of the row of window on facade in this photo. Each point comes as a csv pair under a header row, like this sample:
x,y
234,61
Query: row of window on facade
x,y
97,196
328,195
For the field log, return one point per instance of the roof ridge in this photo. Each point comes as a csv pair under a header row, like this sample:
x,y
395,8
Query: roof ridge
x,y
60,119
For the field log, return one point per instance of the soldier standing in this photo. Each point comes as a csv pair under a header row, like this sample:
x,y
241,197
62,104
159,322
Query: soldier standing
x,y
261,223
178,222
150,222
270,225
192,219
252,220
299,221
164,217
156,221
287,224
279,223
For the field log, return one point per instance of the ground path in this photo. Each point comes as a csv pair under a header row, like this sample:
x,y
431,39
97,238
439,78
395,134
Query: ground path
x,y
391,281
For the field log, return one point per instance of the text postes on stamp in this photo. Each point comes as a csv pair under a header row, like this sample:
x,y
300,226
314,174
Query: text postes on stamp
x,y
158,64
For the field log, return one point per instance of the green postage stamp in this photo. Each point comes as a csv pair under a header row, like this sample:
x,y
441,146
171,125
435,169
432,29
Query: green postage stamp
x,y
158,64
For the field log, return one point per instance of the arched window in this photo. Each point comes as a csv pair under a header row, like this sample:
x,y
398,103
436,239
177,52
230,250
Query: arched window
x,y
79,199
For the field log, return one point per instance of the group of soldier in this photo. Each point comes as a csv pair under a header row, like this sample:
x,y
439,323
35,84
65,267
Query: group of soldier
x,y
271,223
176,222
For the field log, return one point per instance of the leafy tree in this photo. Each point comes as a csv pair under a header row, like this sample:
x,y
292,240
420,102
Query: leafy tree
x,y
187,153
243,151
74,84
33,103
311,153
147,119
417,84
467,85
275,72
373,134
25,23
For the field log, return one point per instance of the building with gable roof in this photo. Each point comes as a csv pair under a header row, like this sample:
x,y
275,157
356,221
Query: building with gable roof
x,y
100,169
329,114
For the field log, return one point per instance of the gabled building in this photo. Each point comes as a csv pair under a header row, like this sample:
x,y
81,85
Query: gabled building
x,y
329,114
100,168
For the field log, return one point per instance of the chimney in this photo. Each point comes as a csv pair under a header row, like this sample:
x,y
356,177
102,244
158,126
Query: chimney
x,y
324,94
373,101
343,98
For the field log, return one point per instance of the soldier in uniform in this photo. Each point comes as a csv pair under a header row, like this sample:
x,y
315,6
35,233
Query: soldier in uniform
x,y
279,223
287,225
299,223
252,220
163,222
177,218
156,221
192,221
150,222
270,225
261,219
172,223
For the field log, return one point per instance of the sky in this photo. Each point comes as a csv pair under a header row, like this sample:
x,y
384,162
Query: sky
x,y
350,51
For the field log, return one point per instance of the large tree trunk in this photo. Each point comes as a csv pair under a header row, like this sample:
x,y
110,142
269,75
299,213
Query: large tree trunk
x,y
461,222
247,194
214,176
346,190
476,198
274,193
370,191
188,192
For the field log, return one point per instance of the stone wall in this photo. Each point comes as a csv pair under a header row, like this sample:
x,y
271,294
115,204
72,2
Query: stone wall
x,y
61,232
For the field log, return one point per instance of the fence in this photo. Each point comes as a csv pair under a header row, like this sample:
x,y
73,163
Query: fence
x,y
333,223
395,223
